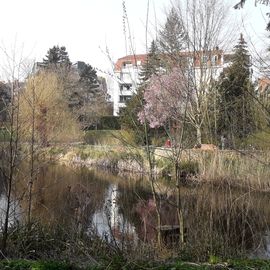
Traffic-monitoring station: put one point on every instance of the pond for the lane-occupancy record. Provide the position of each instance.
(218, 218)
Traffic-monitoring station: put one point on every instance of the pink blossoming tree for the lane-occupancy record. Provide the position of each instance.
(165, 99)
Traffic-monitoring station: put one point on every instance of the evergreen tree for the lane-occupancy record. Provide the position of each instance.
(172, 38)
(88, 75)
(83, 87)
(152, 64)
(87, 98)
(57, 57)
(236, 91)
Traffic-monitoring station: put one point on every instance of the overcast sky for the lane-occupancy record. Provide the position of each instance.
(87, 27)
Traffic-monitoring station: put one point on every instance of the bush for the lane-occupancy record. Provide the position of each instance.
(256, 141)
(109, 122)
(189, 167)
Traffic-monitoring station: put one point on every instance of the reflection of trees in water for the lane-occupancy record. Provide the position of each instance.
(130, 195)
(118, 220)
(219, 220)
(14, 214)
(2, 179)
(65, 196)
(15, 209)
(225, 220)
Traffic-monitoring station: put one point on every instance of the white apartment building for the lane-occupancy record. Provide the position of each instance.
(127, 70)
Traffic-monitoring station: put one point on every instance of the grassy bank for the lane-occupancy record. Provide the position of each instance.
(249, 168)
(115, 157)
(244, 168)
(109, 137)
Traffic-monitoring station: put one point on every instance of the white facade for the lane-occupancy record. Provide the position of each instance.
(124, 85)
(207, 65)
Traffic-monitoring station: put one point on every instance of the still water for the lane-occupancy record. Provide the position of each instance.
(218, 218)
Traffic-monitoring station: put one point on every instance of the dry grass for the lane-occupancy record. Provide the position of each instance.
(248, 168)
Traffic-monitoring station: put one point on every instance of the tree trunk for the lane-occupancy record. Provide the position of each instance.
(199, 135)
(179, 207)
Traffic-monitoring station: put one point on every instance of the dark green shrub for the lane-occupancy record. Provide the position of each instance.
(109, 122)
(189, 167)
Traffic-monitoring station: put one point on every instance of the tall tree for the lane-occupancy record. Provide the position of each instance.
(152, 64)
(172, 38)
(88, 75)
(87, 98)
(57, 57)
(236, 92)
(199, 32)
(43, 103)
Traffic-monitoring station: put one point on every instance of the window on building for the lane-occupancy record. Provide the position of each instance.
(204, 59)
(189, 61)
(124, 98)
(125, 87)
(127, 64)
(214, 60)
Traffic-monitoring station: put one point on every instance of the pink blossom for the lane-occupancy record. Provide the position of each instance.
(164, 98)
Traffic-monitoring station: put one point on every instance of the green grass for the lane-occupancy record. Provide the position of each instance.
(259, 140)
(250, 264)
(117, 264)
(110, 153)
(35, 265)
(108, 137)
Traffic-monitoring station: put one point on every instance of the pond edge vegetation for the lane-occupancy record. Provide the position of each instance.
(246, 169)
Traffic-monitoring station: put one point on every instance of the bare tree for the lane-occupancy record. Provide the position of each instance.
(200, 25)
(14, 69)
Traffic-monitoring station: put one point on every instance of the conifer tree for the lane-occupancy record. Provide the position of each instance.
(152, 64)
(88, 75)
(172, 39)
(87, 97)
(172, 36)
(57, 56)
(236, 92)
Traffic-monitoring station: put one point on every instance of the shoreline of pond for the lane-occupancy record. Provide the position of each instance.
(228, 167)
(82, 192)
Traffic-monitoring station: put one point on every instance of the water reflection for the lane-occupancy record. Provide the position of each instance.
(218, 219)
(110, 223)
(15, 211)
